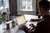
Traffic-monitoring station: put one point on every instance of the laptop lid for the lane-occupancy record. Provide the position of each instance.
(21, 20)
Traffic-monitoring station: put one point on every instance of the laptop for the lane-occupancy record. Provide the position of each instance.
(21, 21)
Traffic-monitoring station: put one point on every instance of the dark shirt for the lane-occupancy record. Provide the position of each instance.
(43, 26)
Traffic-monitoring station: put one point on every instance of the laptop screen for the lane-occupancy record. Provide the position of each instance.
(21, 20)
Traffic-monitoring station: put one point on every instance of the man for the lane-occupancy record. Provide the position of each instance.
(43, 25)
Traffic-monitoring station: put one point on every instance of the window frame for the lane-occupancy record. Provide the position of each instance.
(19, 5)
(6, 6)
(3, 4)
(20, 12)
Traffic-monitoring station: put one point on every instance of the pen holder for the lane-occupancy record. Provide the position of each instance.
(39, 16)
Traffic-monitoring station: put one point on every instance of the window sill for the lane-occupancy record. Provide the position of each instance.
(2, 9)
(26, 10)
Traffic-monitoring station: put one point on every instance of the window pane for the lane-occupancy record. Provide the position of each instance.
(2, 3)
(48, 0)
(26, 4)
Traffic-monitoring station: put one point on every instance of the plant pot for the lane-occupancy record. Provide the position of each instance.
(4, 25)
(13, 24)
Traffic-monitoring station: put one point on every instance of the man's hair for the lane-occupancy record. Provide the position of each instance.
(44, 4)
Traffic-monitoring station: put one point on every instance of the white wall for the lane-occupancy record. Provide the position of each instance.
(26, 12)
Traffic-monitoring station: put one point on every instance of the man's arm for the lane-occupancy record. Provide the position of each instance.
(39, 28)
(36, 19)
(32, 25)
(36, 29)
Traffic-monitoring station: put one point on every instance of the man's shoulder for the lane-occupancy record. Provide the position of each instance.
(41, 21)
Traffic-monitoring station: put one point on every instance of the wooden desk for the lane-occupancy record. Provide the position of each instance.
(16, 30)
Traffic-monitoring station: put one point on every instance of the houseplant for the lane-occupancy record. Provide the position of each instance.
(3, 18)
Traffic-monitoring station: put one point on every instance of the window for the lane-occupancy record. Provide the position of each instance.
(48, 0)
(2, 4)
(27, 5)
(49, 10)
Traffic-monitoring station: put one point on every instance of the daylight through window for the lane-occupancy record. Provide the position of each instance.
(27, 5)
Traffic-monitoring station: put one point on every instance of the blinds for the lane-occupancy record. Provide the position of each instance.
(25, 0)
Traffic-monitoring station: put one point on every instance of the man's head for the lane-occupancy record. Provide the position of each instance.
(44, 7)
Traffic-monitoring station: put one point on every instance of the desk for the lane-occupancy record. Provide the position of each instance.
(17, 30)
(28, 17)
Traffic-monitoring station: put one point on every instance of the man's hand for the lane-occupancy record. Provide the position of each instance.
(23, 26)
(32, 25)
